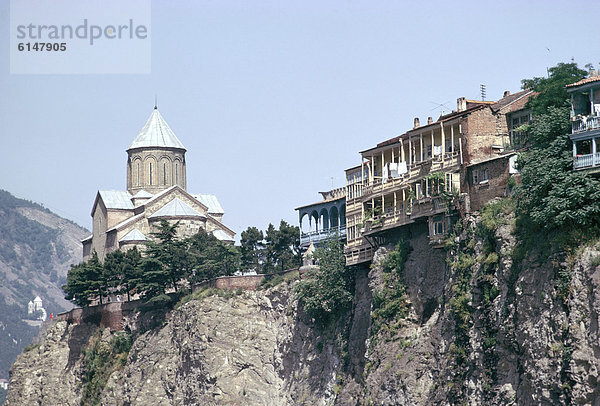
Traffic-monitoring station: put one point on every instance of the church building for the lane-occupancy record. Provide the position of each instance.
(156, 190)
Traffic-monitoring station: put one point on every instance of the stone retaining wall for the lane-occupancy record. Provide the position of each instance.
(106, 315)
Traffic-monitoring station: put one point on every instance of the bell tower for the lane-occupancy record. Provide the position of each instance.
(155, 158)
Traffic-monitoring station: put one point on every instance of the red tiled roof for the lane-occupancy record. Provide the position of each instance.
(585, 81)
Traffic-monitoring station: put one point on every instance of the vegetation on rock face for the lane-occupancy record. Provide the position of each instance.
(474, 259)
(556, 208)
(100, 358)
(390, 302)
(327, 292)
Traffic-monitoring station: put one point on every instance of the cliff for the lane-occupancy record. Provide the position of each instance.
(485, 320)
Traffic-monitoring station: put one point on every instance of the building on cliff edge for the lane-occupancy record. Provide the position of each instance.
(465, 157)
(585, 122)
(323, 219)
(156, 191)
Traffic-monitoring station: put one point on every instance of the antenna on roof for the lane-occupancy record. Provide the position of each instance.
(155, 102)
(482, 90)
(439, 105)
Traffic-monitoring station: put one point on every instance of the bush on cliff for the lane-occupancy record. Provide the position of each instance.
(390, 301)
(326, 293)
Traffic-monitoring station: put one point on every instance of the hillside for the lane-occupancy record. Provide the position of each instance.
(481, 321)
(36, 250)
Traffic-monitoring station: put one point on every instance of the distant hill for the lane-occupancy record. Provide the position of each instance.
(37, 248)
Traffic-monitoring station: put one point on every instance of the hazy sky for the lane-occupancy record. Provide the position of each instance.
(273, 99)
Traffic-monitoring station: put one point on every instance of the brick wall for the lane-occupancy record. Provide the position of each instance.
(107, 315)
(238, 282)
(480, 130)
(496, 185)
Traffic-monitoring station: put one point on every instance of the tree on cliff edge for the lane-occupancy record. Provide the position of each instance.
(326, 293)
(86, 280)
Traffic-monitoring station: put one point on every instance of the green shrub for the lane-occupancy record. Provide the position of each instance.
(327, 292)
(100, 359)
(492, 213)
(391, 301)
(271, 281)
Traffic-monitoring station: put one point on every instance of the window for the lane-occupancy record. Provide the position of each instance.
(418, 192)
(483, 175)
(176, 174)
(138, 173)
(480, 176)
(448, 185)
(438, 226)
(515, 122)
(164, 173)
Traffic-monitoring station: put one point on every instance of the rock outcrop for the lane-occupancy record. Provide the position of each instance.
(247, 348)
(482, 321)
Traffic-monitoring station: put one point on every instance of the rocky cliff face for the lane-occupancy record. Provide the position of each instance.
(482, 321)
(234, 349)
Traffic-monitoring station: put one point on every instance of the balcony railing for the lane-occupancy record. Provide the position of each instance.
(421, 168)
(320, 235)
(585, 123)
(358, 255)
(586, 161)
(423, 207)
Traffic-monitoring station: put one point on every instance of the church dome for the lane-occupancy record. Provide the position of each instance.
(156, 159)
(156, 133)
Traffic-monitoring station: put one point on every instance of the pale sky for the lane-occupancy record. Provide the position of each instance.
(273, 99)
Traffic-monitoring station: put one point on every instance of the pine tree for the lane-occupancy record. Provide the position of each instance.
(252, 249)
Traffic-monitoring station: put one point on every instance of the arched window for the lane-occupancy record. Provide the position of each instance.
(138, 173)
(150, 173)
(164, 173)
(176, 173)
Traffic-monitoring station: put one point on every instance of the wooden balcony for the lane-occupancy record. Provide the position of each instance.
(585, 123)
(320, 235)
(424, 207)
(586, 161)
(357, 255)
(415, 171)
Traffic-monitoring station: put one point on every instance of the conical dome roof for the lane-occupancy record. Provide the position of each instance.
(156, 133)
(176, 208)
